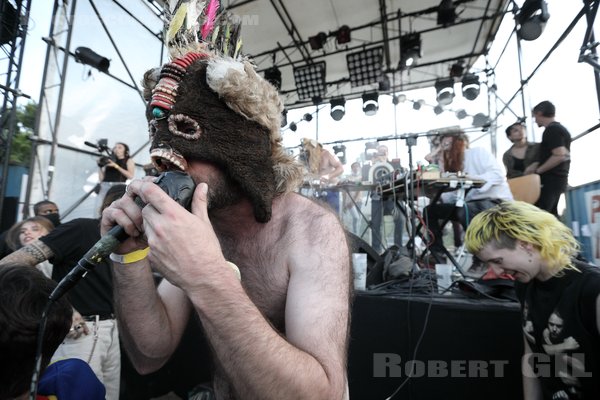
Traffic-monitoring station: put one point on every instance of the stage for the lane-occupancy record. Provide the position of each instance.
(469, 349)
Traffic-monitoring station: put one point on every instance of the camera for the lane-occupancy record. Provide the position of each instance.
(104, 160)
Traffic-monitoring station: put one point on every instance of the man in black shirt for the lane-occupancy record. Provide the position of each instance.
(554, 157)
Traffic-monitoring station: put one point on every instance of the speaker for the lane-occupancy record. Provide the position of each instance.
(9, 23)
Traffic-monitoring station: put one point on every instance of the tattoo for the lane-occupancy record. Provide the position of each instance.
(32, 254)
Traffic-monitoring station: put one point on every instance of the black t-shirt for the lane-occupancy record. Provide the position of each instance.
(69, 242)
(559, 323)
(555, 135)
(114, 175)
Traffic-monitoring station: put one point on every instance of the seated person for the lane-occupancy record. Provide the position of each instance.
(522, 157)
(323, 165)
(476, 163)
(23, 295)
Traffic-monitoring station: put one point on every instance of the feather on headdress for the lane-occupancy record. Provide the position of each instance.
(194, 25)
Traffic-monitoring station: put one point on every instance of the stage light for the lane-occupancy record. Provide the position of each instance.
(340, 152)
(310, 80)
(470, 86)
(480, 120)
(316, 42)
(417, 105)
(446, 13)
(438, 109)
(273, 76)
(532, 18)
(457, 69)
(342, 36)
(461, 114)
(86, 56)
(338, 108)
(307, 117)
(370, 104)
(410, 49)
(444, 91)
(293, 127)
(284, 118)
(365, 67)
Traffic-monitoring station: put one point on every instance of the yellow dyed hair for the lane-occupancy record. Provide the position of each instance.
(508, 222)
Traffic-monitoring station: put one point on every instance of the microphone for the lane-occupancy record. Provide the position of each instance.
(94, 145)
(178, 185)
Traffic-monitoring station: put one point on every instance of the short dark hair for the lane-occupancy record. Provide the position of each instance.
(24, 293)
(546, 108)
(39, 204)
(507, 131)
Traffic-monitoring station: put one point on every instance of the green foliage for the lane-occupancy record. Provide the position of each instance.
(21, 145)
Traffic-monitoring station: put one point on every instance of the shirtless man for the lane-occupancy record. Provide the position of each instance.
(278, 331)
(325, 167)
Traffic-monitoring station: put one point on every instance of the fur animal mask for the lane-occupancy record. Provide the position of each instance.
(218, 110)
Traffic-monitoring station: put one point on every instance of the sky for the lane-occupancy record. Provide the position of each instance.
(562, 80)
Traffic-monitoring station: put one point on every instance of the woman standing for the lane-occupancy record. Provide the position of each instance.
(120, 166)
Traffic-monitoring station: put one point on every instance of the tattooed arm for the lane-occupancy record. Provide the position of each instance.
(32, 254)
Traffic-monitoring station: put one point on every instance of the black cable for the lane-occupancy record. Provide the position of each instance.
(35, 377)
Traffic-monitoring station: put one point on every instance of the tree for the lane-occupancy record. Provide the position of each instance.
(21, 145)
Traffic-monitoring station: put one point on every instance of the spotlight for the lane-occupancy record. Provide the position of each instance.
(310, 80)
(401, 98)
(284, 118)
(293, 127)
(384, 83)
(340, 152)
(273, 76)
(445, 91)
(480, 120)
(438, 109)
(532, 18)
(338, 108)
(316, 42)
(470, 86)
(307, 117)
(417, 105)
(342, 36)
(365, 67)
(87, 56)
(461, 114)
(446, 13)
(410, 49)
(370, 104)
(457, 69)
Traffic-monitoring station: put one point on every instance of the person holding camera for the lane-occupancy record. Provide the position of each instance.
(118, 167)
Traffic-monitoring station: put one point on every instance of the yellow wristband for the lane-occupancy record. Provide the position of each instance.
(129, 258)
(235, 269)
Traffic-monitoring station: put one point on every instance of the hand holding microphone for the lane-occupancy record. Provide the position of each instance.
(178, 185)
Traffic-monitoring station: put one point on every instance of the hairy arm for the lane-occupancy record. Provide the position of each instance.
(151, 321)
(32, 254)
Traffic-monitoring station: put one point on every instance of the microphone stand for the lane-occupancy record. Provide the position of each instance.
(411, 140)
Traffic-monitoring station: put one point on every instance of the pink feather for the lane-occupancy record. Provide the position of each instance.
(211, 14)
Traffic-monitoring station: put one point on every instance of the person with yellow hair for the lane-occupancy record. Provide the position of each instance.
(538, 251)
